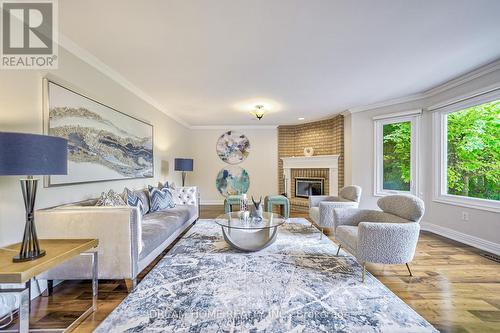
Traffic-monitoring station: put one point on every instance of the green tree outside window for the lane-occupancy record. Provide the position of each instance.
(397, 156)
(473, 149)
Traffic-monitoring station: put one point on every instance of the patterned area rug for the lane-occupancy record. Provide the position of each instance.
(295, 285)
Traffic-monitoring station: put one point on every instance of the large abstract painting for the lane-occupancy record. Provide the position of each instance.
(233, 147)
(103, 144)
(232, 180)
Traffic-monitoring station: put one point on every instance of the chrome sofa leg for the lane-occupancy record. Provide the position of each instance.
(338, 250)
(321, 236)
(409, 270)
(50, 289)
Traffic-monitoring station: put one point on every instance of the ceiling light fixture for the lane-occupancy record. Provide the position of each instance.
(301, 118)
(258, 112)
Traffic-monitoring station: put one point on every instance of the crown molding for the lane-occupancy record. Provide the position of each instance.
(236, 127)
(92, 60)
(477, 73)
(388, 102)
(475, 93)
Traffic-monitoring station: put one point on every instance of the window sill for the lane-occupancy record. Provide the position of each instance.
(481, 204)
(386, 193)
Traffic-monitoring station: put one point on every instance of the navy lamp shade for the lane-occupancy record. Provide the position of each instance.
(183, 164)
(31, 154)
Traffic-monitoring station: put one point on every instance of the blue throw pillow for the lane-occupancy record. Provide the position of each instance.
(134, 200)
(160, 199)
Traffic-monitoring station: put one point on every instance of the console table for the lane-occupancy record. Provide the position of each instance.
(58, 251)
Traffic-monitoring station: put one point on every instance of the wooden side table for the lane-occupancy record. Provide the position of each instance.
(58, 251)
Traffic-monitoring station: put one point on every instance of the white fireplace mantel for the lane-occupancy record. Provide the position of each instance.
(330, 162)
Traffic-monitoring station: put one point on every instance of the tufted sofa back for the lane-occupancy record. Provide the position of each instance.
(185, 195)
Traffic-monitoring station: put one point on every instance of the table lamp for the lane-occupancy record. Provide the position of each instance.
(31, 154)
(183, 164)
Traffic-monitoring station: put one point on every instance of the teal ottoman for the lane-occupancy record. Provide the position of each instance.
(230, 201)
(281, 201)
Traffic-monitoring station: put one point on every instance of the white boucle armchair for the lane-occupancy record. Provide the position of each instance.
(389, 236)
(321, 206)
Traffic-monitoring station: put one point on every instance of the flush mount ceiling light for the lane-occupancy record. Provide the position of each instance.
(301, 118)
(258, 112)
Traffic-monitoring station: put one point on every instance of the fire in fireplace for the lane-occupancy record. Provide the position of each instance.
(305, 187)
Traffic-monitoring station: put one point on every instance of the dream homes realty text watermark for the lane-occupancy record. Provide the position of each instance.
(29, 34)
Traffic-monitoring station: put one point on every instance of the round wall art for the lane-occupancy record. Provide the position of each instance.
(232, 180)
(233, 147)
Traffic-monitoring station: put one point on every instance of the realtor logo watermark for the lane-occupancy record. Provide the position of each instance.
(29, 34)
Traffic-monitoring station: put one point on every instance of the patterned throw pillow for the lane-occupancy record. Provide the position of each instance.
(134, 200)
(160, 199)
(110, 199)
(160, 185)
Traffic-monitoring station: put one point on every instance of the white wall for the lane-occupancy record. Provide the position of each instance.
(483, 227)
(21, 111)
(261, 163)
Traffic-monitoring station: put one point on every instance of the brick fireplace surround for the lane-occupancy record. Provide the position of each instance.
(326, 137)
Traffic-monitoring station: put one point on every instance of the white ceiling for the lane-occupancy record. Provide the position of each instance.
(204, 60)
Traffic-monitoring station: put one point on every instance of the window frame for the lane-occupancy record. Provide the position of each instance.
(413, 116)
(440, 147)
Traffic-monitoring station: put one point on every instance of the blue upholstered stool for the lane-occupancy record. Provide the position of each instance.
(281, 201)
(230, 201)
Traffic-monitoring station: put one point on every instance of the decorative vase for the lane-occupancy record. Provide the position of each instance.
(308, 151)
(243, 203)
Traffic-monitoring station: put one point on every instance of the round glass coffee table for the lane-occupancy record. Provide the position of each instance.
(247, 233)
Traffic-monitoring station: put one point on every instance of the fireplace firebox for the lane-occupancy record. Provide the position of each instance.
(305, 187)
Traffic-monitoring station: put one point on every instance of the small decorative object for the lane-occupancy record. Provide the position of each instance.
(233, 147)
(259, 112)
(308, 151)
(232, 180)
(257, 209)
(244, 215)
(110, 199)
(31, 154)
(103, 143)
(184, 165)
(243, 203)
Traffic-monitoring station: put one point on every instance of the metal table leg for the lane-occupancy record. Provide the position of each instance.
(95, 281)
(94, 293)
(24, 310)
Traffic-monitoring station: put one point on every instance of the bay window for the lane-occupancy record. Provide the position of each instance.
(467, 142)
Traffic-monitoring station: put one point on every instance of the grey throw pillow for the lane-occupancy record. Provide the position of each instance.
(110, 199)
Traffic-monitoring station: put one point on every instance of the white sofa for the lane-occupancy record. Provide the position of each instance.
(128, 242)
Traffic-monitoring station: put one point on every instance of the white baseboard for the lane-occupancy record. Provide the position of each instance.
(462, 238)
(212, 202)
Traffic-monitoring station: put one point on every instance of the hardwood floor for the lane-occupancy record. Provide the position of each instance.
(454, 287)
